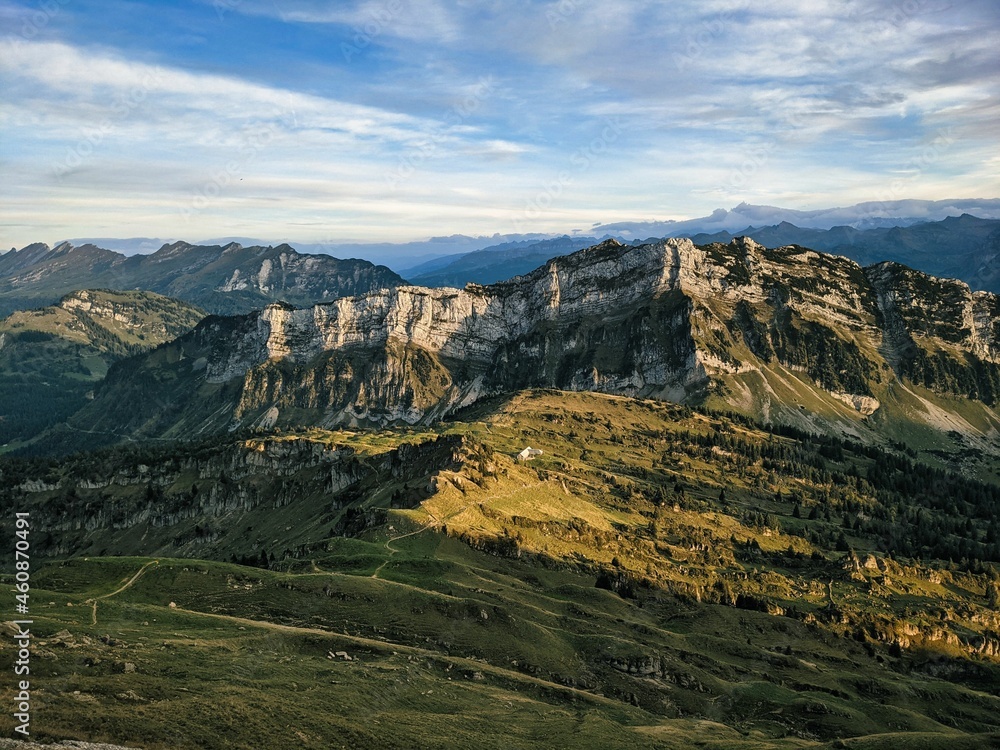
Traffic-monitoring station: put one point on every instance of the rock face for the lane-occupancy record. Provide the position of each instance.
(146, 316)
(963, 247)
(785, 335)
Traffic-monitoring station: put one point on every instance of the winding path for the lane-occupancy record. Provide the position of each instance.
(391, 647)
(123, 587)
(393, 550)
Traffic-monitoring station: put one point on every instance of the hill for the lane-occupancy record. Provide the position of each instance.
(787, 336)
(657, 577)
(51, 358)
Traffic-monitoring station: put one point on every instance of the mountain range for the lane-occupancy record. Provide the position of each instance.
(760, 509)
(496, 262)
(963, 247)
(870, 215)
(402, 257)
(224, 276)
(219, 279)
(791, 336)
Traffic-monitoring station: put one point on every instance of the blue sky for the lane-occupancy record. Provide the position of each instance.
(399, 120)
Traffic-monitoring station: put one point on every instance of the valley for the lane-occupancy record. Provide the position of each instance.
(760, 509)
(499, 376)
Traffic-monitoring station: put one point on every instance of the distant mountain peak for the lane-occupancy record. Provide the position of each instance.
(175, 247)
(222, 280)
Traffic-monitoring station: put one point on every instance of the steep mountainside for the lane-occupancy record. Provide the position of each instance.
(51, 358)
(655, 578)
(225, 280)
(788, 335)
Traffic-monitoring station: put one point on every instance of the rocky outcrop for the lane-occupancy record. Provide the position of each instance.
(6, 744)
(667, 320)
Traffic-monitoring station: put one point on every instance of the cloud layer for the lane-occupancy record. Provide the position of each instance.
(390, 119)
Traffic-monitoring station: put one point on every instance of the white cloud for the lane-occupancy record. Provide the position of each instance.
(424, 20)
(90, 82)
(818, 98)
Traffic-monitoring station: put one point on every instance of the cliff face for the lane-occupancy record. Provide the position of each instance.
(786, 334)
(575, 300)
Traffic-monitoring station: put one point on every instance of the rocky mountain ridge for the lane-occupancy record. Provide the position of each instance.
(222, 279)
(787, 335)
(964, 247)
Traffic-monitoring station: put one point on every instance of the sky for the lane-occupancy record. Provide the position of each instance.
(395, 120)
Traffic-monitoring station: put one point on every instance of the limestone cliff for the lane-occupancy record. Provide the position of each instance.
(785, 335)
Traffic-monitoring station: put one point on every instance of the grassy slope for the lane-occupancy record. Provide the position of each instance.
(453, 647)
(52, 357)
(485, 653)
(948, 431)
